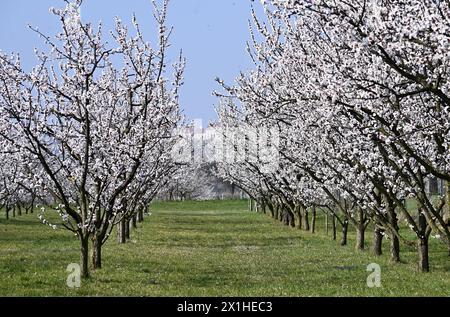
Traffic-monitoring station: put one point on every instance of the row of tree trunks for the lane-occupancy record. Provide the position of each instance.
(297, 215)
(125, 225)
(286, 216)
(17, 210)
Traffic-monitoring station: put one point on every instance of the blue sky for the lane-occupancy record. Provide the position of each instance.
(212, 34)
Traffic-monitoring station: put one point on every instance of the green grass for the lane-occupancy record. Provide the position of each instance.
(209, 249)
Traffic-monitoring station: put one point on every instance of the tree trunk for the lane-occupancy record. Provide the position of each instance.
(360, 232)
(344, 232)
(140, 215)
(84, 256)
(313, 219)
(395, 242)
(447, 204)
(395, 248)
(271, 209)
(333, 224)
(127, 229)
(285, 218)
(96, 253)
(377, 241)
(306, 218)
(7, 212)
(134, 221)
(326, 223)
(291, 219)
(424, 265)
(121, 237)
(299, 217)
(422, 247)
(19, 210)
(447, 208)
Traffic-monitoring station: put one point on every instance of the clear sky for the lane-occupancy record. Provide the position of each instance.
(212, 34)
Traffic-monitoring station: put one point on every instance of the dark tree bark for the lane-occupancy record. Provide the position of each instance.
(84, 256)
(121, 237)
(447, 207)
(395, 242)
(422, 247)
(96, 254)
(275, 211)
(291, 219)
(134, 221)
(377, 241)
(271, 209)
(360, 230)
(344, 232)
(140, 215)
(395, 249)
(424, 265)
(360, 233)
(263, 207)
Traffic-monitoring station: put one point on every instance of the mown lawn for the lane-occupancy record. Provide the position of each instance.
(209, 249)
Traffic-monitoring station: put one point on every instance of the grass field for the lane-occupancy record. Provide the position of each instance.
(209, 249)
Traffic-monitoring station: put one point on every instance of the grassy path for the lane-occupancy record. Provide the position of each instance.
(208, 249)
